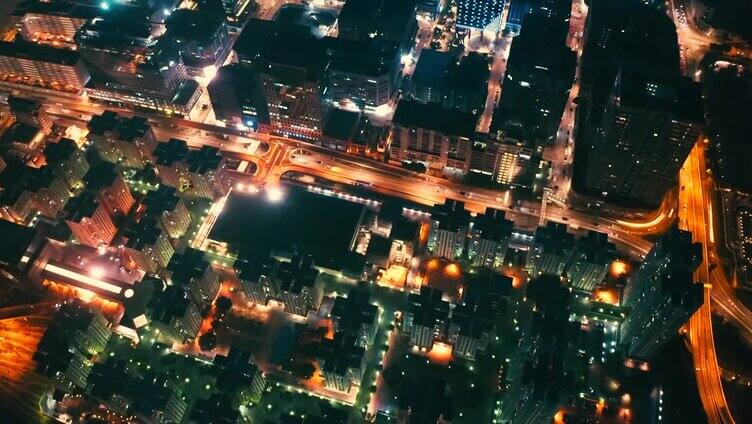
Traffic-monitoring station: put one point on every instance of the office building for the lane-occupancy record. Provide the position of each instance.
(292, 86)
(518, 9)
(434, 136)
(466, 85)
(539, 74)
(484, 15)
(504, 160)
(362, 74)
(489, 236)
(129, 142)
(130, 64)
(426, 318)
(551, 251)
(298, 285)
(202, 38)
(238, 99)
(42, 66)
(591, 260)
(429, 76)
(449, 228)
(647, 130)
(357, 19)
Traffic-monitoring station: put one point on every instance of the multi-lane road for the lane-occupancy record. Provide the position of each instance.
(693, 217)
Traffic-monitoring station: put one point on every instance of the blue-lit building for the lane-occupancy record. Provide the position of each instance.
(480, 14)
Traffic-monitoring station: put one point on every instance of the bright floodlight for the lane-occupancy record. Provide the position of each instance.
(104, 5)
(96, 272)
(275, 194)
(128, 293)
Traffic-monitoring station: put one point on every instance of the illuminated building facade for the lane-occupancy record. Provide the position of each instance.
(439, 138)
(592, 257)
(30, 191)
(551, 251)
(662, 294)
(489, 238)
(343, 363)
(165, 203)
(145, 245)
(30, 112)
(129, 142)
(356, 315)
(207, 175)
(89, 221)
(39, 65)
(426, 318)
(449, 229)
(52, 21)
(191, 270)
(238, 98)
(647, 130)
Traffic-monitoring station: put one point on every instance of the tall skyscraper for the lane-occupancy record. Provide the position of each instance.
(539, 375)
(592, 258)
(449, 225)
(539, 74)
(647, 131)
(551, 251)
(662, 294)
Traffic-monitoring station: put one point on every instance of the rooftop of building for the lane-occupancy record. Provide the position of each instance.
(189, 264)
(316, 223)
(38, 52)
(143, 233)
(493, 225)
(554, 238)
(204, 160)
(125, 129)
(82, 206)
(15, 242)
(194, 24)
(451, 216)
(360, 10)
(427, 307)
(341, 124)
(18, 178)
(432, 68)
(297, 274)
(125, 27)
(163, 199)
(174, 150)
(72, 9)
(469, 74)
(21, 134)
(435, 117)
(60, 152)
(169, 303)
(23, 105)
(101, 176)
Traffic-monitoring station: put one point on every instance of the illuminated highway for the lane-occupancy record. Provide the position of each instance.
(693, 217)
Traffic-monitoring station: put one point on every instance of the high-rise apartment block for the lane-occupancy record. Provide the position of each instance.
(449, 228)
